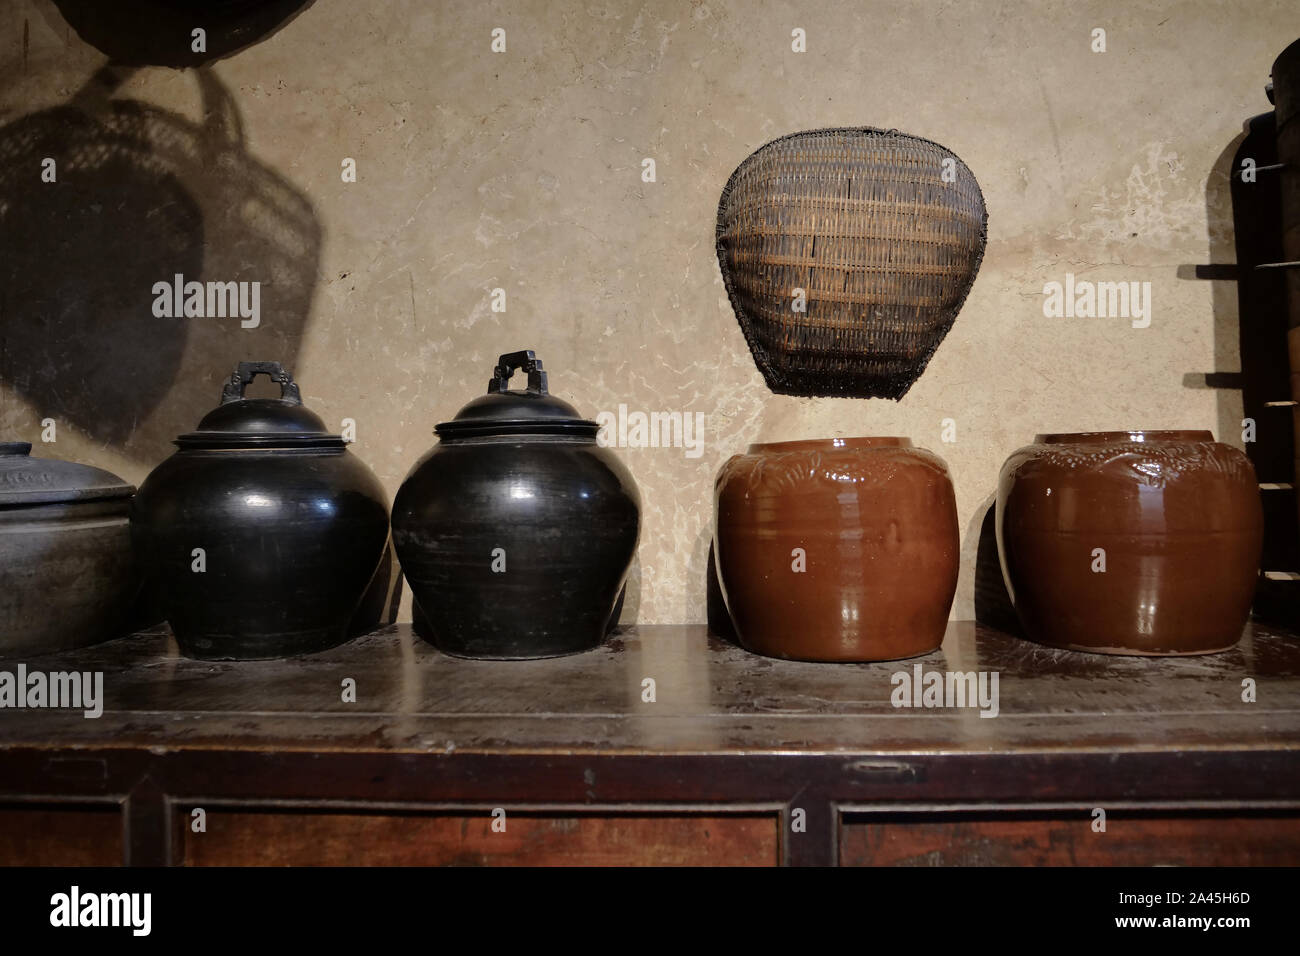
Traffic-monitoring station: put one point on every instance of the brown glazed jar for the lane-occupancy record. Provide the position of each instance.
(1134, 542)
(837, 549)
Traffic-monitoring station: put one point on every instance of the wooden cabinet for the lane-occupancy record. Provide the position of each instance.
(737, 759)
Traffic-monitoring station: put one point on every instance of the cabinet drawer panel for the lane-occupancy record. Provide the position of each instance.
(319, 838)
(1066, 838)
(60, 835)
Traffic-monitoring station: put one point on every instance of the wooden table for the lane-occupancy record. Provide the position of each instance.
(737, 759)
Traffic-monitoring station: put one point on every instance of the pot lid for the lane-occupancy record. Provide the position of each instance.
(506, 411)
(25, 480)
(240, 422)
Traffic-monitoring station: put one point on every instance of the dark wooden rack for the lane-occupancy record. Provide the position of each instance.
(1264, 380)
(739, 759)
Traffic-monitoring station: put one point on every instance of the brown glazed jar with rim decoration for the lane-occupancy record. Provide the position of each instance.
(837, 549)
(1130, 542)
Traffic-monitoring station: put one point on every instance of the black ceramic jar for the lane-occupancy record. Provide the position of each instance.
(261, 533)
(66, 574)
(517, 530)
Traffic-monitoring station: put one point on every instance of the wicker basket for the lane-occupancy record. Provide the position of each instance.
(885, 250)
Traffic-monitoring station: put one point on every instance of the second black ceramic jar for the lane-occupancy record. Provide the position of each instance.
(517, 530)
(261, 533)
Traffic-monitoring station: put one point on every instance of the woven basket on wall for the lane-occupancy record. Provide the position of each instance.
(885, 250)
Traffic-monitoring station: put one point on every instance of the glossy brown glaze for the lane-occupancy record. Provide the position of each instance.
(839, 549)
(1138, 542)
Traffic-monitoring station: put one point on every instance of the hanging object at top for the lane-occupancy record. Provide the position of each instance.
(176, 33)
(847, 254)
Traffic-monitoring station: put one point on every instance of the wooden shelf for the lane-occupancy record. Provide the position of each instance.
(733, 752)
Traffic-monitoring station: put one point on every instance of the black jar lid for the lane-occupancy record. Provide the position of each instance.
(25, 480)
(507, 411)
(240, 422)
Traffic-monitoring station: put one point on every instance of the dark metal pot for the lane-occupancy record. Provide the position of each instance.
(517, 530)
(66, 575)
(291, 528)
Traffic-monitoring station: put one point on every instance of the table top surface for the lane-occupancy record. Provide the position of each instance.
(710, 696)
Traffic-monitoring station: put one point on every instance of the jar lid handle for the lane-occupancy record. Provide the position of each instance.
(233, 390)
(525, 361)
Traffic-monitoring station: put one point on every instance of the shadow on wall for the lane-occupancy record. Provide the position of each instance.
(1260, 301)
(1243, 215)
(1251, 369)
(992, 600)
(716, 606)
(1265, 367)
(1228, 354)
(1243, 223)
(628, 610)
(1256, 302)
(141, 195)
(1243, 206)
(105, 201)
